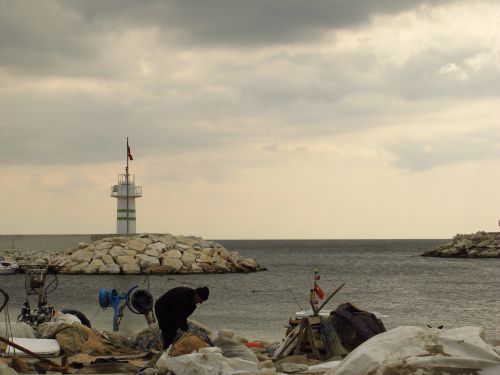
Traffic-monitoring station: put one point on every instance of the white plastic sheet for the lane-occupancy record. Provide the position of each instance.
(422, 351)
(45, 347)
(16, 329)
(321, 368)
(232, 348)
(206, 363)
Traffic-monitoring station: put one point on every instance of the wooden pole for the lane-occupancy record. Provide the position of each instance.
(329, 298)
(292, 337)
(126, 177)
(311, 302)
(56, 366)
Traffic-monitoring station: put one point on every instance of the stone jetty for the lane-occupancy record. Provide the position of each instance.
(475, 245)
(143, 253)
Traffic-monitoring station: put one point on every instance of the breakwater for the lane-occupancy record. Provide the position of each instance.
(45, 242)
(475, 245)
(143, 253)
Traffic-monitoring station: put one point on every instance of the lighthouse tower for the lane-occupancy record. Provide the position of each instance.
(125, 192)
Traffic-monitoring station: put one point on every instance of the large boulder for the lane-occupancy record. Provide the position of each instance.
(117, 251)
(173, 254)
(81, 256)
(94, 266)
(158, 246)
(125, 259)
(152, 252)
(111, 268)
(188, 258)
(138, 245)
(131, 268)
(148, 261)
(172, 263)
(107, 259)
(79, 268)
(103, 245)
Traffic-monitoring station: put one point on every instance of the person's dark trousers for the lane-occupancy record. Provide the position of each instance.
(168, 328)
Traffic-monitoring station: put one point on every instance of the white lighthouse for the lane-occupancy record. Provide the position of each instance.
(125, 192)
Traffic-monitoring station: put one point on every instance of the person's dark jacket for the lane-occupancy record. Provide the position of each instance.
(176, 304)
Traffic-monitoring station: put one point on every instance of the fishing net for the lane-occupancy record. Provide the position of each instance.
(333, 345)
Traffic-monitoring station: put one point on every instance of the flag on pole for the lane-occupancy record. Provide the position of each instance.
(319, 292)
(129, 154)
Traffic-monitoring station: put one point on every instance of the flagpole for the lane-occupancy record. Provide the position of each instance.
(126, 176)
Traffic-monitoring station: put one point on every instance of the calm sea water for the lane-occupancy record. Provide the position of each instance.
(386, 276)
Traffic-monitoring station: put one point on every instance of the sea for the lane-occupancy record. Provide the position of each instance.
(386, 277)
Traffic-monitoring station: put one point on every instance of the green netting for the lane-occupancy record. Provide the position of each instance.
(333, 346)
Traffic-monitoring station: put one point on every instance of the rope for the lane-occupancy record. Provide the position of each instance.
(8, 326)
(298, 304)
(231, 289)
(146, 280)
(95, 314)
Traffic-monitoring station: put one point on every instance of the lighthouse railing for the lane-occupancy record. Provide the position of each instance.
(122, 179)
(118, 192)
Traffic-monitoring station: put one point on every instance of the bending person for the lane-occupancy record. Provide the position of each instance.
(174, 307)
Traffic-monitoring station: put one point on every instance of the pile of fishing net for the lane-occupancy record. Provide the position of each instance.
(76, 338)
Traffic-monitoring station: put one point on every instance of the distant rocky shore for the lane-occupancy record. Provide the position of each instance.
(475, 245)
(144, 253)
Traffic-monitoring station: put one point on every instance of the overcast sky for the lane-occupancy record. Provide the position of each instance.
(252, 119)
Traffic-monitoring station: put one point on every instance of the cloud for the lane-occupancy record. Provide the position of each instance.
(452, 71)
(425, 154)
(73, 37)
(79, 77)
(239, 22)
(45, 37)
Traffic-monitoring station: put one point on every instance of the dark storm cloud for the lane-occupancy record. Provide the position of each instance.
(38, 37)
(63, 37)
(239, 22)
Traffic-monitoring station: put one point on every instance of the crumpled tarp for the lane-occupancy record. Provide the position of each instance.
(354, 326)
(418, 350)
(232, 348)
(208, 362)
(16, 329)
(321, 368)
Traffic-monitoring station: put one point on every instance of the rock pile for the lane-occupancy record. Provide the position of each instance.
(475, 245)
(144, 253)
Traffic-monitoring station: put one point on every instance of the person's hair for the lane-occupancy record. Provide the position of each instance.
(202, 292)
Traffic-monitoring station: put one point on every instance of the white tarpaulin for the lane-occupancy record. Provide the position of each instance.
(210, 361)
(321, 368)
(16, 329)
(423, 351)
(45, 347)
